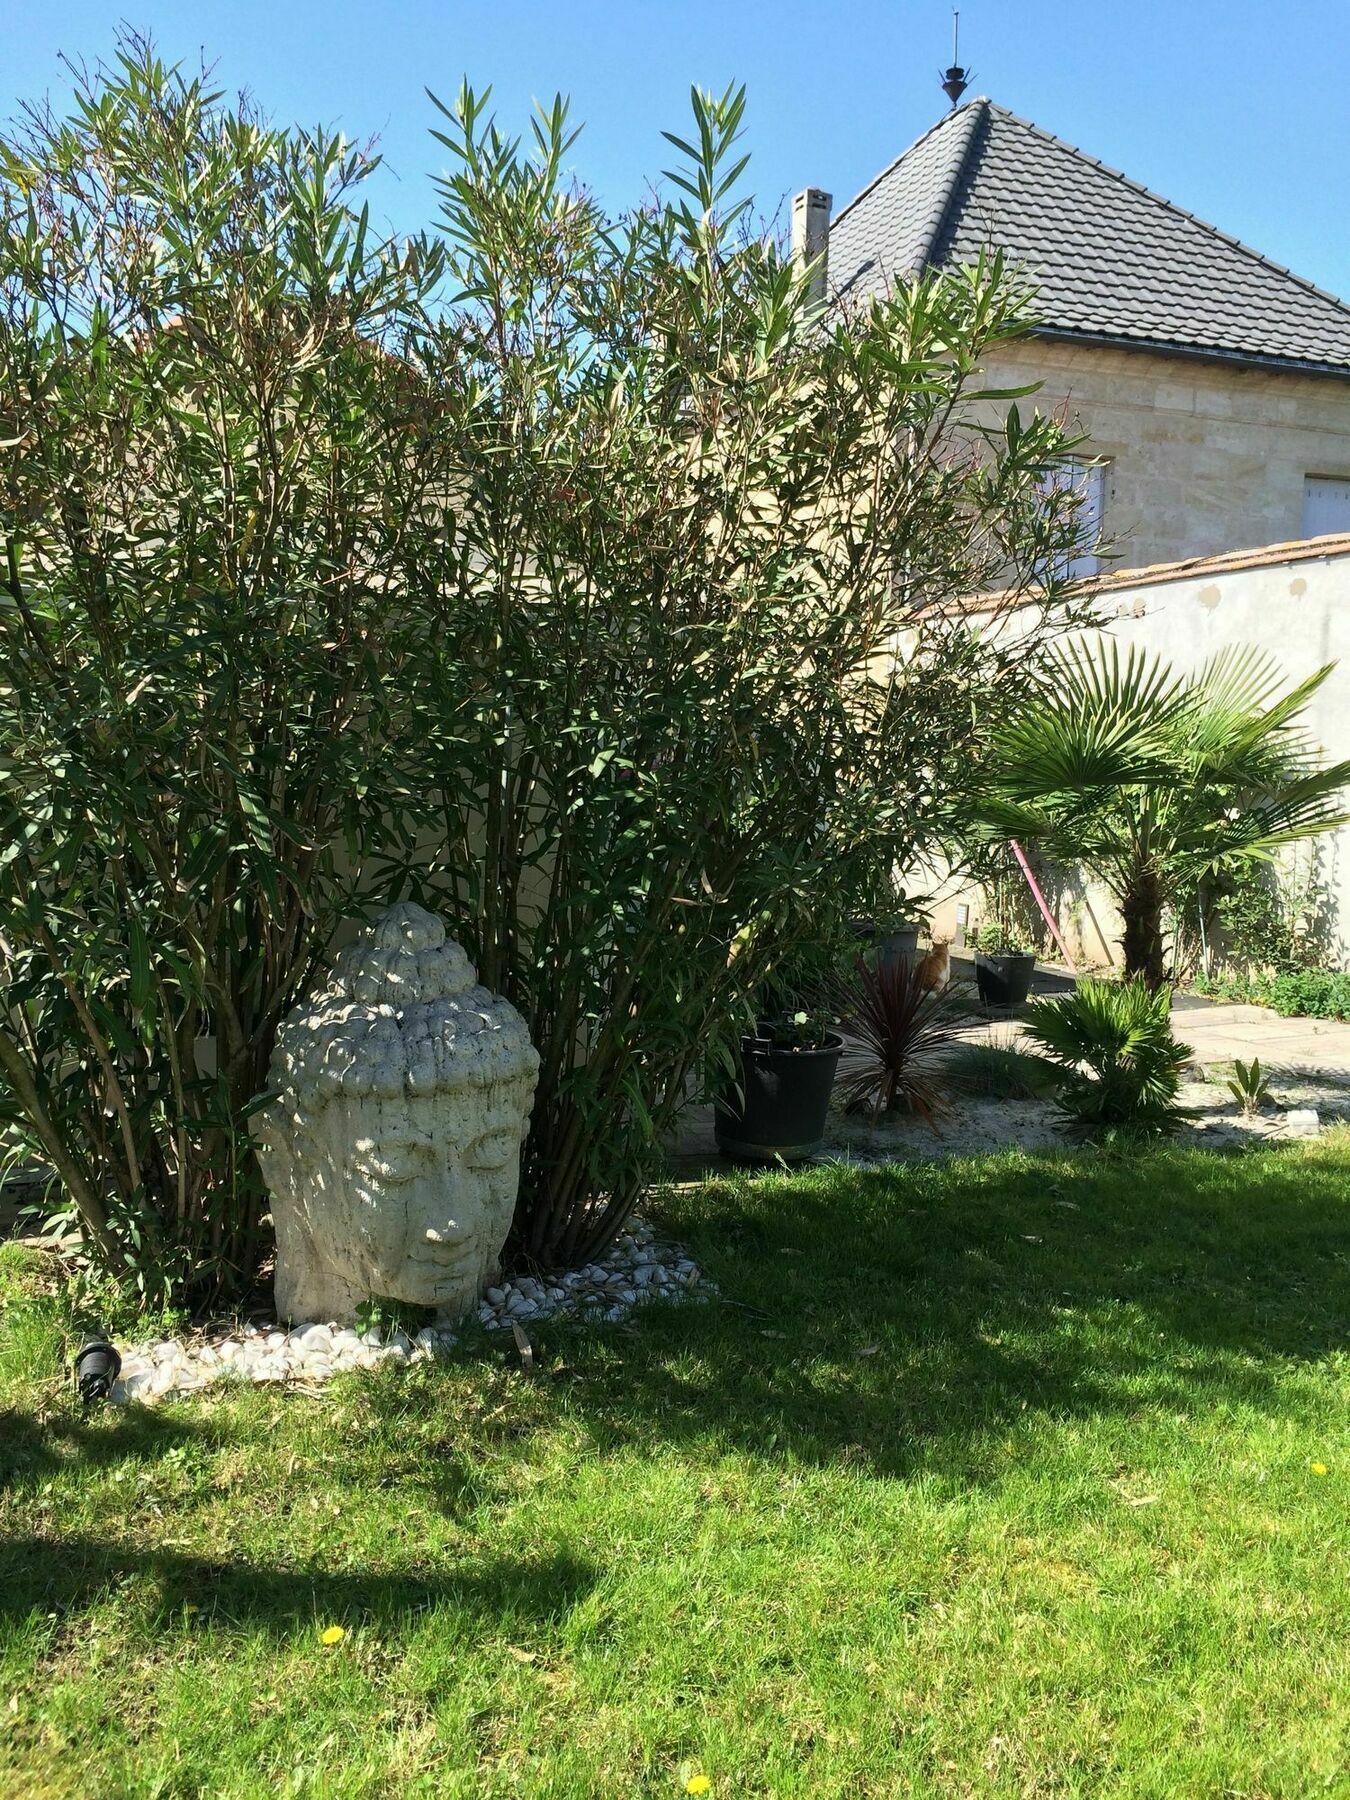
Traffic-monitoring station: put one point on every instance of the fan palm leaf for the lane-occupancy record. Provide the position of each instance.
(1100, 720)
(1118, 1062)
(1154, 780)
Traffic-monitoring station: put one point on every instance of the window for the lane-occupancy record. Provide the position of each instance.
(1326, 506)
(1089, 480)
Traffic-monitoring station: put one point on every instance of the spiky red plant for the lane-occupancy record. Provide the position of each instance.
(896, 1031)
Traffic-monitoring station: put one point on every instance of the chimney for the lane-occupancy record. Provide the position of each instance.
(811, 237)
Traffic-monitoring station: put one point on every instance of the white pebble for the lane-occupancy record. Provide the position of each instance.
(635, 1268)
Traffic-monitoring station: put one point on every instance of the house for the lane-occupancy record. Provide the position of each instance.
(1211, 385)
(1212, 390)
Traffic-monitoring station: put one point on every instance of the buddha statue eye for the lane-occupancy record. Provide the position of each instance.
(492, 1151)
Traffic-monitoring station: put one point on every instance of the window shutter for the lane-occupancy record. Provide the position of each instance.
(1326, 506)
(1090, 479)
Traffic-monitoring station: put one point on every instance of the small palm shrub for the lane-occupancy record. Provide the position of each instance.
(898, 1032)
(1119, 1064)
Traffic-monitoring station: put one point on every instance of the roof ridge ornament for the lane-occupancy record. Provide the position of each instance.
(956, 80)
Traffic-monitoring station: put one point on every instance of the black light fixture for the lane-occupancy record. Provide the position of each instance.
(956, 80)
(97, 1366)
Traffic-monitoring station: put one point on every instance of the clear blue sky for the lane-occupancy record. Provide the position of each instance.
(1240, 112)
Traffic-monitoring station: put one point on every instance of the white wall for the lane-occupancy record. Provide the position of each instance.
(1294, 604)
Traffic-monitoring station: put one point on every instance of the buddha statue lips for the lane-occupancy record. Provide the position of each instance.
(400, 1093)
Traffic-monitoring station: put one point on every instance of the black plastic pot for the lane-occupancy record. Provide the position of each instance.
(1003, 979)
(787, 1099)
(898, 946)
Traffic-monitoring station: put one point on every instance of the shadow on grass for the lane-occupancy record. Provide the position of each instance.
(902, 1319)
(897, 1319)
(64, 1575)
(32, 1447)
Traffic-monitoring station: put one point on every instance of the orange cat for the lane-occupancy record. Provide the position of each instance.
(934, 970)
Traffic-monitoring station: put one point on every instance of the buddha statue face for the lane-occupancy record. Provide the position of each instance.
(401, 1095)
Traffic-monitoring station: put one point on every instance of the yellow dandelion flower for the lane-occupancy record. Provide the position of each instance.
(333, 1635)
(698, 1784)
(1318, 1468)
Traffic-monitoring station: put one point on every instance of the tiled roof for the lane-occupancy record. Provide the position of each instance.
(1110, 260)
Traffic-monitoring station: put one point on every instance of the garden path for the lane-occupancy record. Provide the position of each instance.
(1219, 1033)
(1216, 1031)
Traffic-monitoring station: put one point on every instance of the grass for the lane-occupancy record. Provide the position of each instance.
(1001, 1071)
(996, 1477)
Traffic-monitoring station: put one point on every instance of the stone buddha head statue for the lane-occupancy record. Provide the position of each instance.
(399, 1097)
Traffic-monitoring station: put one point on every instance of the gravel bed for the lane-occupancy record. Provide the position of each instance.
(638, 1268)
(978, 1126)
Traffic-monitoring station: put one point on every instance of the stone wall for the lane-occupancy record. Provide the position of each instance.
(1203, 457)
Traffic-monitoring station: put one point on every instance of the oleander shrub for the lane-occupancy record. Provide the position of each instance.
(569, 573)
(210, 456)
(698, 679)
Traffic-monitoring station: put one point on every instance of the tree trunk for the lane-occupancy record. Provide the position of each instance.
(1141, 909)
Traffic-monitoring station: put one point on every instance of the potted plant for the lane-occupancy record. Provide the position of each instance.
(1004, 961)
(778, 1110)
(897, 941)
(891, 929)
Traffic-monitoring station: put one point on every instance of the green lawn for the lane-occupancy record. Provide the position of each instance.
(1019, 1476)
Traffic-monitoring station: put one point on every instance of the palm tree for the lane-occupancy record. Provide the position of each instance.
(1154, 780)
